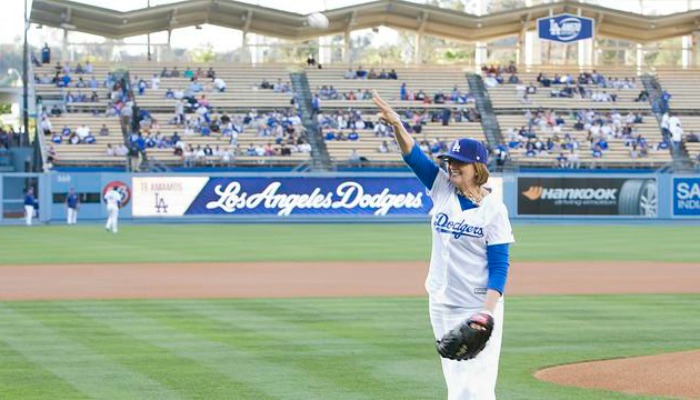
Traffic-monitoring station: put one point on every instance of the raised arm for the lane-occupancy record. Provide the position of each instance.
(424, 168)
(388, 114)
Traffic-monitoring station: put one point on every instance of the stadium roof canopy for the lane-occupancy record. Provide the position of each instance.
(397, 14)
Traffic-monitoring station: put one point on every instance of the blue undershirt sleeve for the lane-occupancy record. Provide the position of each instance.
(497, 257)
(425, 169)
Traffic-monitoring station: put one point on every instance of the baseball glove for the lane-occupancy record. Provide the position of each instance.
(466, 341)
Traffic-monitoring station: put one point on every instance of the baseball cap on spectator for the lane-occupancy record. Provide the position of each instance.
(467, 151)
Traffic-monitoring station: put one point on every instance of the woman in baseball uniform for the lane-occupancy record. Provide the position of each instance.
(469, 258)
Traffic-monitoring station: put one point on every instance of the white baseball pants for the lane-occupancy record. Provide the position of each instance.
(472, 379)
(112, 217)
(28, 214)
(72, 216)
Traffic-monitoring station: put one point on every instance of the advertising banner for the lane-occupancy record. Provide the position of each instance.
(565, 28)
(686, 197)
(587, 196)
(177, 196)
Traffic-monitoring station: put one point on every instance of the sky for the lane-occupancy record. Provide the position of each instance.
(223, 39)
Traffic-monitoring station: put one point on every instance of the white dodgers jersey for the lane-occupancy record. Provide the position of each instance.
(458, 266)
(113, 198)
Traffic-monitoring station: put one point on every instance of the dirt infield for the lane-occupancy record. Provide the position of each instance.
(318, 279)
(674, 375)
(670, 374)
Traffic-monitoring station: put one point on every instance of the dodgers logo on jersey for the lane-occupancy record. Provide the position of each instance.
(457, 229)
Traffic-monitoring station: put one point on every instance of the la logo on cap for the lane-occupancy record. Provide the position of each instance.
(455, 147)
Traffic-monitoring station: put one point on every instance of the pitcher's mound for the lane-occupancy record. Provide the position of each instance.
(672, 374)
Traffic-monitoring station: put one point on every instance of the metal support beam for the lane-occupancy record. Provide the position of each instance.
(417, 50)
(522, 42)
(596, 47)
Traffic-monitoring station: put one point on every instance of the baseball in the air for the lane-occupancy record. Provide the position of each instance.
(317, 20)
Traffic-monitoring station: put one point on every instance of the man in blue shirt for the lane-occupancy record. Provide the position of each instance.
(29, 201)
(72, 202)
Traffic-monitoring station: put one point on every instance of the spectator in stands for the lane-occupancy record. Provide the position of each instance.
(219, 84)
(227, 157)
(310, 61)
(562, 160)
(189, 74)
(155, 82)
(349, 74)
(45, 125)
(665, 98)
(46, 54)
(165, 73)
(355, 160)
(674, 126)
(175, 73)
(56, 138)
(82, 132)
(361, 73)
(393, 75)
(56, 110)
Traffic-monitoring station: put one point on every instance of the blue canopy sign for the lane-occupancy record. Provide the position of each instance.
(565, 28)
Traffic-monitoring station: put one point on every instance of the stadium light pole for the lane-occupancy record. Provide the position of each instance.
(25, 79)
(148, 37)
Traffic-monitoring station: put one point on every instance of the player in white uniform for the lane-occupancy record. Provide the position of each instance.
(469, 260)
(113, 199)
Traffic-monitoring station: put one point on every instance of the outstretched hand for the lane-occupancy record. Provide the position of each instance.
(386, 112)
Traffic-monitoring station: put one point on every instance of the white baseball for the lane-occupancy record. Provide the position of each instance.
(317, 20)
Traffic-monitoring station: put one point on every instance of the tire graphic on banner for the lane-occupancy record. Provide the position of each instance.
(638, 197)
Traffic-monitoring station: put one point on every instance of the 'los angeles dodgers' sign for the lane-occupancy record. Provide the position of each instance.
(199, 195)
(565, 28)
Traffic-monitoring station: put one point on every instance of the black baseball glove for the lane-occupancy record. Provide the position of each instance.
(466, 341)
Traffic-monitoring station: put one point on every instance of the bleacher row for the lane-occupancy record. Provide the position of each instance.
(243, 94)
(683, 84)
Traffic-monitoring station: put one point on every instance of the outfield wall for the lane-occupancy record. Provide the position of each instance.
(280, 196)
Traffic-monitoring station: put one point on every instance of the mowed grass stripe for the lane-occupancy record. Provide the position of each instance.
(398, 329)
(22, 379)
(238, 355)
(396, 335)
(332, 242)
(332, 353)
(184, 376)
(92, 374)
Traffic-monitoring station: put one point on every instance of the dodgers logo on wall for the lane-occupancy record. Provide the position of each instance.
(686, 197)
(565, 28)
(178, 196)
(123, 189)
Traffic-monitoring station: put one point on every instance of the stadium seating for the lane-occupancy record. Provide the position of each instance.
(510, 107)
(243, 93)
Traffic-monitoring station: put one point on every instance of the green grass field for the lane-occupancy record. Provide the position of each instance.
(297, 242)
(366, 348)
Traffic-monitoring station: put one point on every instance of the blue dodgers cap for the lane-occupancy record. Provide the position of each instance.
(467, 151)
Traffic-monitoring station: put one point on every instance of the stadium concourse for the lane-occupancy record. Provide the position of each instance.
(231, 115)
